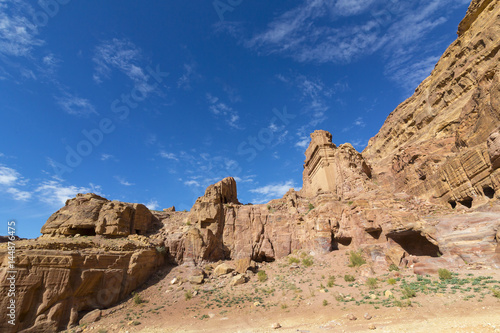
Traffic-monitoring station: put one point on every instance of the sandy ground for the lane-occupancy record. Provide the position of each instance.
(304, 298)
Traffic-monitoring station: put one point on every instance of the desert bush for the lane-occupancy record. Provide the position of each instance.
(331, 281)
(262, 276)
(349, 278)
(293, 260)
(188, 295)
(444, 274)
(408, 292)
(308, 261)
(356, 259)
(138, 299)
(391, 281)
(372, 283)
(325, 302)
(393, 267)
(495, 292)
(311, 206)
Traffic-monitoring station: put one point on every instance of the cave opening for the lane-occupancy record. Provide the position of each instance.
(375, 233)
(83, 231)
(344, 241)
(467, 202)
(453, 204)
(415, 244)
(489, 192)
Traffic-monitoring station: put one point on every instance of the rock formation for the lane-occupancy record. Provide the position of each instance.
(422, 194)
(342, 171)
(434, 144)
(90, 215)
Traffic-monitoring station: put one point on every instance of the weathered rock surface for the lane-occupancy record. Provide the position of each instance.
(63, 278)
(434, 144)
(423, 194)
(341, 171)
(90, 214)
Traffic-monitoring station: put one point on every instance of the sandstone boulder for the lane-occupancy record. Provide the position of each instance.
(90, 215)
(223, 269)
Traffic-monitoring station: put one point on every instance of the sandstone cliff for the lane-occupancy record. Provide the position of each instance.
(434, 144)
(422, 194)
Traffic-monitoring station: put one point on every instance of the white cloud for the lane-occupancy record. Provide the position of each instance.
(10, 179)
(18, 194)
(18, 36)
(75, 105)
(152, 205)
(125, 56)
(303, 142)
(271, 191)
(184, 81)
(192, 183)
(105, 157)
(314, 31)
(169, 156)
(8, 176)
(222, 110)
(123, 181)
(55, 193)
(359, 122)
(351, 7)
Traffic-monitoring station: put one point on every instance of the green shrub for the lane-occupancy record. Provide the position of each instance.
(391, 281)
(188, 295)
(495, 292)
(293, 260)
(325, 302)
(372, 283)
(137, 299)
(262, 276)
(331, 281)
(311, 206)
(307, 261)
(408, 292)
(284, 306)
(349, 278)
(444, 274)
(356, 259)
(393, 267)
(136, 323)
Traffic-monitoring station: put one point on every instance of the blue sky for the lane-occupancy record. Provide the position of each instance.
(153, 101)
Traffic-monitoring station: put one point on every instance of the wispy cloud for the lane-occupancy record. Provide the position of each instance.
(303, 142)
(271, 191)
(55, 193)
(18, 36)
(222, 110)
(125, 56)
(8, 176)
(314, 31)
(153, 205)
(169, 156)
(75, 105)
(184, 82)
(10, 181)
(105, 157)
(123, 181)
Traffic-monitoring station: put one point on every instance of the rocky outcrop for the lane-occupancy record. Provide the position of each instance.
(61, 279)
(90, 215)
(422, 194)
(341, 171)
(434, 144)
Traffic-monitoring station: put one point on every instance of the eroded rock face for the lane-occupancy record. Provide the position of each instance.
(434, 144)
(61, 279)
(90, 215)
(342, 171)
